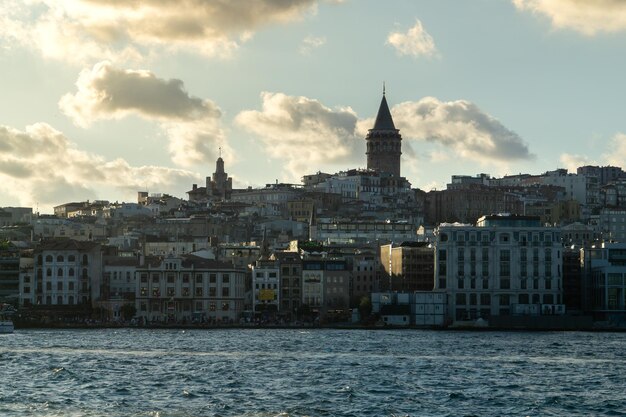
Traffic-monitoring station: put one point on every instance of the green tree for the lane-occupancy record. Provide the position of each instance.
(365, 307)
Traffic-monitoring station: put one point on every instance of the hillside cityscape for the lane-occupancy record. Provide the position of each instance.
(358, 246)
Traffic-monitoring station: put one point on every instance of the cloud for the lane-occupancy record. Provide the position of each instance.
(588, 17)
(416, 42)
(86, 30)
(191, 124)
(310, 43)
(616, 153)
(303, 133)
(572, 162)
(461, 127)
(40, 166)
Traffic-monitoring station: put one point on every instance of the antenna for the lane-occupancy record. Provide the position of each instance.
(383, 88)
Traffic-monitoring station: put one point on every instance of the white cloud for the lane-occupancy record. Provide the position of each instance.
(40, 166)
(616, 153)
(87, 30)
(303, 133)
(585, 16)
(461, 127)
(572, 162)
(415, 42)
(191, 124)
(310, 43)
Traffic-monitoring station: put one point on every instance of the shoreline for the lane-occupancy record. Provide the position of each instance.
(102, 326)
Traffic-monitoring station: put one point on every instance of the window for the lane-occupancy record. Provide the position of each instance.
(225, 292)
(225, 306)
(70, 272)
(212, 292)
(485, 299)
(460, 299)
(71, 258)
(49, 258)
(185, 278)
(198, 291)
(198, 278)
(155, 278)
(60, 272)
(48, 272)
(60, 258)
(226, 278)
(60, 286)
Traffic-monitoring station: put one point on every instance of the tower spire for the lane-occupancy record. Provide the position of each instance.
(383, 88)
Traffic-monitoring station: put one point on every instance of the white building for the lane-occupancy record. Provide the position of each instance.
(176, 289)
(501, 262)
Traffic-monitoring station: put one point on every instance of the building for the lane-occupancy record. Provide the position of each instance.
(502, 262)
(118, 286)
(339, 230)
(408, 266)
(605, 272)
(9, 273)
(266, 288)
(290, 265)
(187, 288)
(613, 224)
(66, 273)
(365, 275)
(384, 142)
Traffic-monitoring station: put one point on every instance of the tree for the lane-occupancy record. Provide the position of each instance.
(365, 307)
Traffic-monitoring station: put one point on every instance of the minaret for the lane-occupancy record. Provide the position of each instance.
(220, 185)
(384, 142)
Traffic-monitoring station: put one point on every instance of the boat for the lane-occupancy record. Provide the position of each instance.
(6, 324)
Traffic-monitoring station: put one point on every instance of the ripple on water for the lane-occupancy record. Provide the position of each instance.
(136, 372)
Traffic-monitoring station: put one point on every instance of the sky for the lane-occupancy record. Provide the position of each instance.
(100, 99)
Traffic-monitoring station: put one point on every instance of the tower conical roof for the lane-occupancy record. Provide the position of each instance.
(383, 119)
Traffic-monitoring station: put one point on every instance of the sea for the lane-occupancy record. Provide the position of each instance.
(311, 372)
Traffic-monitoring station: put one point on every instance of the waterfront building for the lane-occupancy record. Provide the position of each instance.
(325, 284)
(290, 264)
(119, 283)
(66, 273)
(502, 262)
(408, 266)
(365, 275)
(178, 289)
(9, 273)
(605, 275)
(266, 287)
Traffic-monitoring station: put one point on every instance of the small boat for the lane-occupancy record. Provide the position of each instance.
(6, 324)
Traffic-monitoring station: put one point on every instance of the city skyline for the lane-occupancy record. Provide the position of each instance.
(101, 101)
